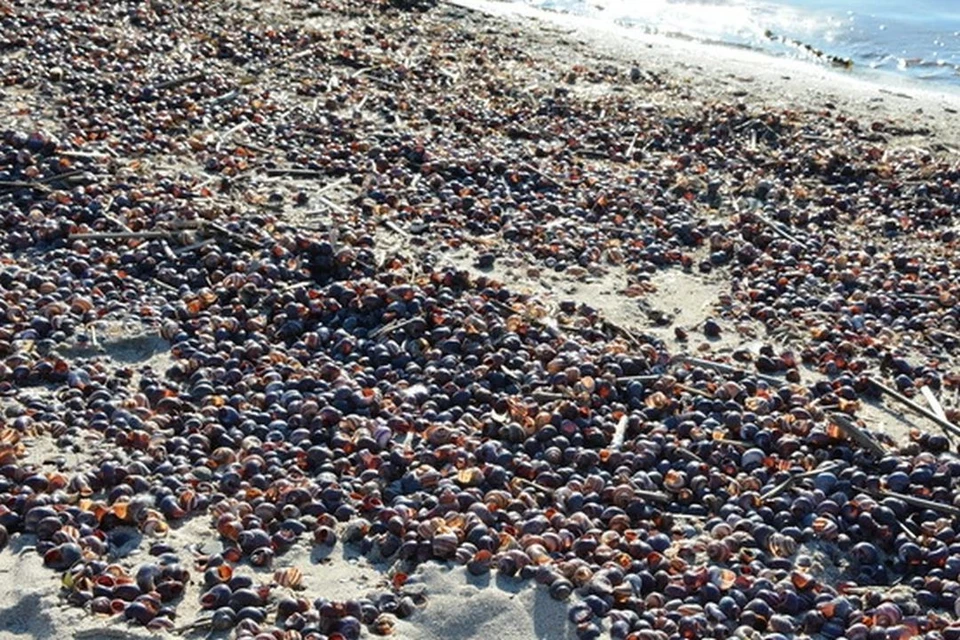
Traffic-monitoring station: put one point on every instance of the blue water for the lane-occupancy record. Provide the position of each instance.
(917, 38)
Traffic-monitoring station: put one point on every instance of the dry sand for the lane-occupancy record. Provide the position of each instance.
(459, 606)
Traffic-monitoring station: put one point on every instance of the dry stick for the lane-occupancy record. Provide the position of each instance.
(694, 390)
(296, 173)
(644, 378)
(226, 135)
(620, 432)
(955, 336)
(393, 226)
(84, 155)
(725, 368)
(330, 204)
(789, 482)
(622, 332)
(234, 237)
(776, 228)
(19, 184)
(120, 235)
(943, 424)
(933, 402)
(109, 218)
(387, 329)
(857, 434)
(329, 186)
(652, 495)
(633, 145)
(920, 296)
(907, 531)
(193, 247)
(176, 82)
(915, 501)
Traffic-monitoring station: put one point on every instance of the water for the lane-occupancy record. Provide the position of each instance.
(917, 38)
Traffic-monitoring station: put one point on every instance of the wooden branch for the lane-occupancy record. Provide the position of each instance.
(176, 82)
(725, 368)
(120, 235)
(858, 435)
(616, 442)
(916, 502)
(789, 482)
(943, 424)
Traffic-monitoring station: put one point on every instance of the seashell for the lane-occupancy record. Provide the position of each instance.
(155, 526)
(781, 546)
(261, 557)
(216, 597)
(223, 618)
(138, 612)
(217, 575)
(445, 544)
(480, 563)
(245, 598)
(289, 577)
(170, 590)
(253, 539)
(325, 536)
(384, 624)
(64, 556)
(560, 589)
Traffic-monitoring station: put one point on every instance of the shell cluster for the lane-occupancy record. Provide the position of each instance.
(217, 350)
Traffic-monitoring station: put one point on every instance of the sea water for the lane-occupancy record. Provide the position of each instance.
(918, 38)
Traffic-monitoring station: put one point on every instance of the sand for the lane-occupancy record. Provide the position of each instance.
(460, 606)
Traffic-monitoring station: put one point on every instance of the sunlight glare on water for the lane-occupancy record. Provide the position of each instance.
(920, 38)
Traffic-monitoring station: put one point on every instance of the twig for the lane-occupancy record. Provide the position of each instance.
(332, 205)
(695, 391)
(393, 226)
(622, 332)
(232, 236)
(620, 432)
(389, 328)
(633, 145)
(915, 501)
(907, 531)
(193, 247)
(857, 434)
(66, 175)
(84, 155)
(652, 495)
(296, 173)
(644, 378)
(120, 235)
(789, 482)
(330, 186)
(776, 228)
(933, 402)
(725, 368)
(946, 426)
(199, 623)
(19, 184)
(176, 82)
(537, 485)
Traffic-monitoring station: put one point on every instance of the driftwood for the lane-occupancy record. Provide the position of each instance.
(789, 482)
(176, 82)
(858, 435)
(725, 368)
(917, 502)
(899, 397)
(620, 432)
(120, 235)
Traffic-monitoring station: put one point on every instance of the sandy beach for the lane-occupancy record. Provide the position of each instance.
(346, 124)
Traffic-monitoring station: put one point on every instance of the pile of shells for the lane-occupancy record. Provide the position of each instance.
(318, 385)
